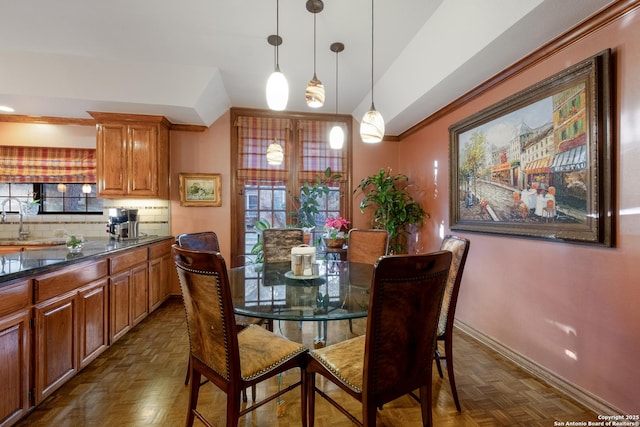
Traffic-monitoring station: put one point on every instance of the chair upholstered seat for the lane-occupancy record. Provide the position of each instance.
(344, 360)
(261, 350)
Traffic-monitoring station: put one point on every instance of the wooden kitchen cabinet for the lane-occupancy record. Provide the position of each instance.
(160, 269)
(128, 289)
(67, 317)
(132, 156)
(15, 343)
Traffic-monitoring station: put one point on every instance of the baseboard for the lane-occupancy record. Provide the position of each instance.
(572, 391)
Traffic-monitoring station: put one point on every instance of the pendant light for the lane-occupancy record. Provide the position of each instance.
(275, 155)
(372, 124)
(86, 188)
(277, 86)
(315, 89)
(336, 135)
(62, 188)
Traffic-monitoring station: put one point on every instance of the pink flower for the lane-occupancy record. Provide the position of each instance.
(333, 227)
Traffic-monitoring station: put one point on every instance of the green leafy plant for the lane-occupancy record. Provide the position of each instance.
(309, 200)
(257, 249)
(394, 207)
(74, 242)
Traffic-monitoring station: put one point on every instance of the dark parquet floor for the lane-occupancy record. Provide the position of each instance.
(139, 381)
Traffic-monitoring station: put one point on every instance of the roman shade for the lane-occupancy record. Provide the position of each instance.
(254, 136)
(47, 164)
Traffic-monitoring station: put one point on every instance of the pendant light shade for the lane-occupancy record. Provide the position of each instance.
(277, 86)
(372, 124)
(86, 188)
(275, 155)
(62, 188)
(314, 94)
(336, 135)
(277, 91)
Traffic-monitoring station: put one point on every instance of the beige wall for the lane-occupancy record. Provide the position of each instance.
(572, 309)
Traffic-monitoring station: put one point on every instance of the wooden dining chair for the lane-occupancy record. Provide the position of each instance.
(459, 247)
(277, 243)
(366, 246)
(208, 241)
(391, 359)
(229, 359)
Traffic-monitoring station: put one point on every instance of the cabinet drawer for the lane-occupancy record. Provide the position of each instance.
(14, 296)
(127, 259)
(158, 250)
(58, 282)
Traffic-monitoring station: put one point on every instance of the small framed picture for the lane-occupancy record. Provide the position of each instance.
(200, 189)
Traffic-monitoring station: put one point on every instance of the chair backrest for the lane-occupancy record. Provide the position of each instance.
(277, 243)
(405, 298)
(209, 310)
(203, 241)
(460, 248)
(366, 246)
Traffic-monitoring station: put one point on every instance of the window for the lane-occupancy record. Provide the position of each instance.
(268, 192)
(52, 201)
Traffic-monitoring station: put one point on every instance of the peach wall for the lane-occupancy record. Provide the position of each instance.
(206, 152)
(570, 309)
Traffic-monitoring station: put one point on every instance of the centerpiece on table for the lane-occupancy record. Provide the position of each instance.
(335, 232)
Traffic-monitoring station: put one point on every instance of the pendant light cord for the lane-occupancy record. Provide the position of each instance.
(278, 33)
(372, 55)
(314, 44)
(337, 84)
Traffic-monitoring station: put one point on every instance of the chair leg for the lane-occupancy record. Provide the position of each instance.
(311, 398)
(233, 409)
(437, 358)
(452, 380)
(304, 397)
(193, 396)
(350, 325)
(425, 405)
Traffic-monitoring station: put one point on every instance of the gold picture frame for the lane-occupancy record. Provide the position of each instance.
(538, 164)
(200, 189)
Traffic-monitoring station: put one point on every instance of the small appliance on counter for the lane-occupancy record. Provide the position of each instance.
(123, 223)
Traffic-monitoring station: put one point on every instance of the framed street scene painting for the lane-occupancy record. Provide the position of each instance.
(538, 164)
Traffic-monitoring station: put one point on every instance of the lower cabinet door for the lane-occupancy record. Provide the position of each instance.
(120, 306)
(14, 367)
(93, 321)
(140, 289)
(56, 346)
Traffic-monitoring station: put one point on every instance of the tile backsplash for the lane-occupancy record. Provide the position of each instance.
(153, 219)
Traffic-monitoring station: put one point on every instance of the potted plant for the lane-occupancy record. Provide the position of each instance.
(309, 200)
(394, 207)
(257, 249)
(335, 232)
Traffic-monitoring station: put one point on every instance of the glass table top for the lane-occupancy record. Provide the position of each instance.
(340, 290)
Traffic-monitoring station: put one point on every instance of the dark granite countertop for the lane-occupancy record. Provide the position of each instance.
(27, 263)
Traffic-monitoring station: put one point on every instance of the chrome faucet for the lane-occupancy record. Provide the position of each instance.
(22, 235)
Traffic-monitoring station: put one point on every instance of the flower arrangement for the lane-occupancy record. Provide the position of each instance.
(335, 228)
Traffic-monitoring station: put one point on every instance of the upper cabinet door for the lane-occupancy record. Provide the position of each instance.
(112, 160)
(133, 156)
(143, 160)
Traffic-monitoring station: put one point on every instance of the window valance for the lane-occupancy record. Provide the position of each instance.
(47, 164)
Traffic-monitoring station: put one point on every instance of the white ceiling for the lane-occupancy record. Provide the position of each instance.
(191, 60)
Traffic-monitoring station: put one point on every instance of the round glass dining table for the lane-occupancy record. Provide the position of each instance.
(339, 290)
